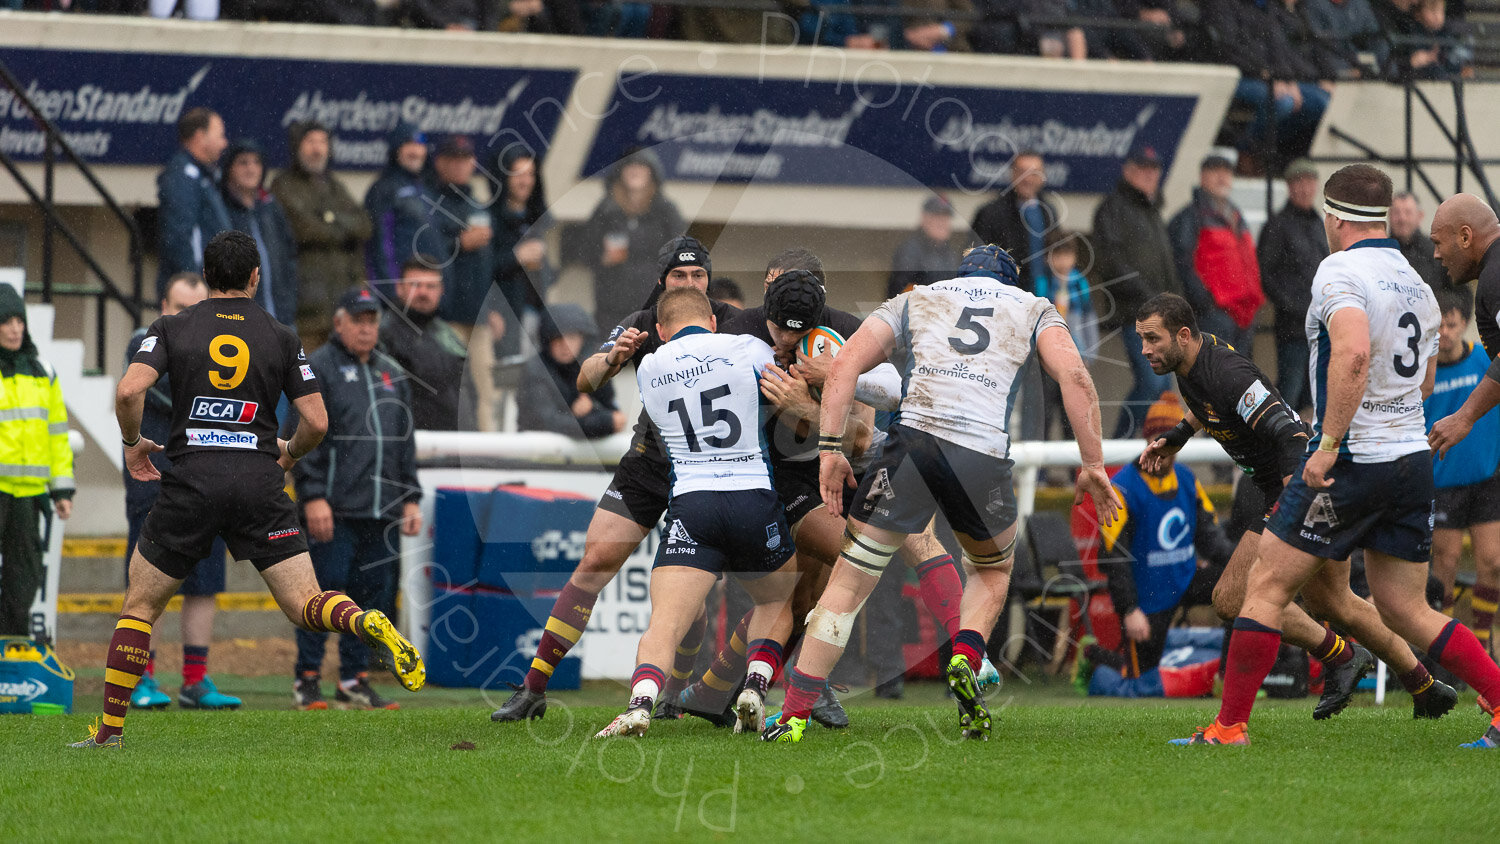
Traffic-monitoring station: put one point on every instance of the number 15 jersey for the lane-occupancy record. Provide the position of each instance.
(702, 391)
(230, 361)
(1373, 276)
(962, 343)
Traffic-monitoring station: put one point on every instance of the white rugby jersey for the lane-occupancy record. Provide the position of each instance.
(965, 341)
(702, 391)
(1374, 276)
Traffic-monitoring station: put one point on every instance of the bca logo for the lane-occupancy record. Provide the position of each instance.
(554, 544)
(209, 409)
(687, 256)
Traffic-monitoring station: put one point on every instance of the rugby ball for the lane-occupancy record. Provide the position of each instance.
(819, 340)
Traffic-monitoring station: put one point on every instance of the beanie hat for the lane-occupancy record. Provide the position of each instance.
(1162, 416)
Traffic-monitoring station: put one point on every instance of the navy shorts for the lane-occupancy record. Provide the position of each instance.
(741, 532)
(918, 474)
(1384, 507)
(1459, 507)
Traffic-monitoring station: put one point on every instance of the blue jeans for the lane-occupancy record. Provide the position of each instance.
(1291, 372)
(1294, 127)
(362, 560)
(1147, 388)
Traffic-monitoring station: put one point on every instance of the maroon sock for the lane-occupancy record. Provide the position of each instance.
(1416, 681)
(1457, 650)
(1252, 654)
(941, 591)
(686, 658)
(1483, 601)
(570, 615)
(1334, 651)
(802, 692)
(129, 650)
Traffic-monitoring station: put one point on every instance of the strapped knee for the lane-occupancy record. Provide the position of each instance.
(868, 556)
(831, 627)
(1000, 559)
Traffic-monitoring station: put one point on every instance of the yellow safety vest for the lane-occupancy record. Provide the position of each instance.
(35, 457)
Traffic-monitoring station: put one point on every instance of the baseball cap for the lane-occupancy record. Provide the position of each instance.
(937, 205)
(682, 251)
(455, 145)
(358, 300)
(1143, 155)
(1301, 167)
(795, 300)
(1216, 160)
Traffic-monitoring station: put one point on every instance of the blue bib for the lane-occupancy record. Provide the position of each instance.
(1161, 542)
(1474, 459)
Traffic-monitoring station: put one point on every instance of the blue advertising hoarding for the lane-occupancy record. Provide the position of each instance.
(837, 133)
(121, 108)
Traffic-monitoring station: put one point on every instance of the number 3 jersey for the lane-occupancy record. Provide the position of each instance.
(1373, 276)
(963, 341)
(230, 361)
(702, 392)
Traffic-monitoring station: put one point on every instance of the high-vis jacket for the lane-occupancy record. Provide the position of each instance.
(35, 457)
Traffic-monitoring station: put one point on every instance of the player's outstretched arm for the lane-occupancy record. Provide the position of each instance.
(1450, 430)
(1348, 374)
(602, 366)
(130, 403)
(312, 424)
(1061, 361)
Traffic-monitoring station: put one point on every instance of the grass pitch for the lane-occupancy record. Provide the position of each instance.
(1058, 769)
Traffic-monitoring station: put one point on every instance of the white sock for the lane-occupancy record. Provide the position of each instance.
(761, 669)
(646, 687)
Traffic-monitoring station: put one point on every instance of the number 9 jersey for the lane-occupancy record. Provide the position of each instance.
(1373, 276)
(230, 362)
(702, 391)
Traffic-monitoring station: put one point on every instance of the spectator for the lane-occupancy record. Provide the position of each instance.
(1068, 289)
(37, 470)
(398, 203)
(1467, 497)
(428, 348)
(357, 488)
(1246, 35)
(187, 190)
(936, 34)
(927, 255)
(253, 210)
(1406, 227)
(1105, 42)
(329, 226)
(202, 586)
(1133, 262)
(197, 10)
(1019, 218)
(454, 15)
(727, 291)
(549, 398)
(1151, 558)
(1215, 257)
(1344, 28)
(1292, 245)
(619, 241)
(1428, 47)
(522, 270)
(1324, 58)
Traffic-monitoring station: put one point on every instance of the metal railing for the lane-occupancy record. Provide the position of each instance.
(53, 225)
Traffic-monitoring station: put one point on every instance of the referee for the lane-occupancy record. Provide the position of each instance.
(230, 362)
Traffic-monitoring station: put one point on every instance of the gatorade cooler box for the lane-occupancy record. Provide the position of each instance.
(31, 675)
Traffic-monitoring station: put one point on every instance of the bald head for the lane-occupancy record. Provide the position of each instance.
(1463, 229)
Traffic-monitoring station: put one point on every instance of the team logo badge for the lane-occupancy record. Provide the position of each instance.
(1321, 512)
(307, 373)
(773, 537)
(881, 488)
(678, 533)
(351, 374)
(148, 344)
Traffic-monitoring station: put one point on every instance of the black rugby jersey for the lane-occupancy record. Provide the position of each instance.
(229, 363)
(1232, 399)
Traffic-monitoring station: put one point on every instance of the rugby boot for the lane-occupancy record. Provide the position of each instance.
(1237, 734)
(148, 695)
(690, 702)
(523, 705)
(973, 715)
(789, 732)
(1083, 667)
(392, 650)
(205, 695)
(632, 722)
(669, 710)
(1490, 740)
(1437, 701)
(988, 676)
(116, 741)
(1485, 705)
(750, 711)
(308, 694)
(362, 695)
(1339, 684)
(828, 711)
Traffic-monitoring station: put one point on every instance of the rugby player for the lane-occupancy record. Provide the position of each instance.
(1466, 240)
(1230, 398)
(1367, 483)
(636, 497)
(702, 392)
(965, 341)
(230, 362)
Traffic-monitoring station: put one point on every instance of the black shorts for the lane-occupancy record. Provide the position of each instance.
(741, 532)
(1459, 507)
(917, 474)
(1385, 507)
(238, 497)
(640, 488)
(797, 487)
(207, 577)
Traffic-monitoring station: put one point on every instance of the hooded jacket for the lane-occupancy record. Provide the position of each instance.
(549, 389)
(191, 212)
(522, 288)
(330, 229)
(1216, 259)
(366, 466)
(1133, 255)
(397, 203)
(620, 289)
(35, 457)
(266, 222)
